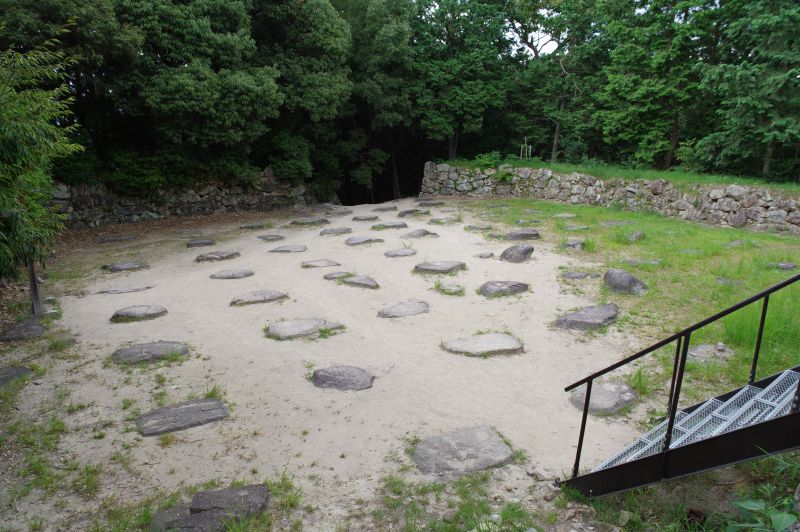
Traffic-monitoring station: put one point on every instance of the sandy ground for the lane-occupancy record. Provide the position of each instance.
(337, 444)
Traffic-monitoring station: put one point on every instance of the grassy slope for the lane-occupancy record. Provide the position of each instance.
(682, 179)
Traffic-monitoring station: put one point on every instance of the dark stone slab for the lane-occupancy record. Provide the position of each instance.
(231, 274)
(24, 330)
(450, 289)
(502, 288)
(200, 242)
(138, 313)
(430, 203)
(361, 281)
(213, 256)
(181, 416)
(402, 252)
(362, 240)
(588, 318)
(367, 218)
(15, 372)
(333, 231)
(576, 244)
(334, 276)
(342, 378)
(149, 352)
(478, 227)
(310, 221)
(576, 276)
(211, 521)
(271, 237)
(413, 212)
(255, 225)
(440, 267)
(242, 502)
(289, 248)
(164, 520)
(607, 398)
(389, 225)
(125, 266)
(523, 234)
(517, 254)
(621, 281)
(126, 289)
(419, 233)
(462, 451)
(320, 263)
(385, 208)
(258, 296)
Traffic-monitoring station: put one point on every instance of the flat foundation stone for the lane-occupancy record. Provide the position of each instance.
(321, 263)
(254, 226)
(334, 231)
(389, 225)
(440, 267)
(564, 215)
(361, 281)
(623, 282)
(342, 378)
(412, 307)
(126, 289)
(271, 237)
(462, 451)
(643, 262)
(402, 252)
(485, 255)
(484, 345)
(181, 416)
(385, 208)
(240, 502)
(200, 242)
(290, 329)
(413, 212)
(577, 244)
(448, 220)
(212, 256)
(523, 234)
(311, 220)
(577, 276)
(362, 240)
(231, 274)
(334, 276)
(706, 352)
(125, 266)
(430, 203)
(16, 372)
(289, 248)
(367, 218)
(478, 227)
(149, 352)
(575, 227)
(783, 265)
(502, 288)
(138, 313)
(258, 296)
(589, 318)
(517, 254)
(607, 398)
(24, 330)
(419, 233)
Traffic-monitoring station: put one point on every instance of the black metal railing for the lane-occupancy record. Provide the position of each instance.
(682, 339)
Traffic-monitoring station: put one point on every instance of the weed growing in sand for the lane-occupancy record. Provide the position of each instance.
(283, 491)
(642, 381)
(309, 370)
(87, 481)
(36, 440)
(215, 392)
(60, 343)
(165, 440)
(77, 407)
(126, 403)
(327, 332)
(448, 289)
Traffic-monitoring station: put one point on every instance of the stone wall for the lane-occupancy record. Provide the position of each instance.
(736, 206)
(94, 205)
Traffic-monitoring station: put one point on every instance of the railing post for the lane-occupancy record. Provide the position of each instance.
(674, 371)
(673, 407)
(583, 429)
(796, 401)
(758, 338)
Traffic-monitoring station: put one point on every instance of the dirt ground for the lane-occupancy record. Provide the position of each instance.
(338, 445)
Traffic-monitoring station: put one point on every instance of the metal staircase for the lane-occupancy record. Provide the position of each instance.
(758, 419)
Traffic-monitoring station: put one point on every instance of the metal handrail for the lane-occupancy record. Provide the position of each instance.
(683, 338)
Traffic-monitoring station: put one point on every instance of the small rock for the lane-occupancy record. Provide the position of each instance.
(15, 372)
(216, 255)
(271, 237)
(258, 296)
(575, 227)
(636, 236)
(517, 254)
(126, 289)
(706, 352)
(334, 231)
(289, 248)
(430, 203)
(138, 313)
(200, 242)
(534, 473)
(576, 244)
(444, 221)
(342, 378)
(502, 288)
(238, 502)
(619, 280)
(564, 215)
(450, 289)
(362, 240)
(589, 318)
(478, 227)
(485, 255)
(125, 266)
(231, 274)
(385, 208)
(321, 263)
(360, 281)
(254, 225)
(783, 265)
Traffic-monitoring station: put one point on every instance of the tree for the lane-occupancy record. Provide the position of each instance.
(30, 140)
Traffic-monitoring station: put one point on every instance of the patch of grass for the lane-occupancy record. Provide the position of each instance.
(642, 381)
(36, 440)
(126, 403)
(60, 343)
(165, 440)
(443, 289)
(309, 374)
(87, 481)
(215, 392)
(327, 332)
(9, 392)
(77, 407)
(283, 491)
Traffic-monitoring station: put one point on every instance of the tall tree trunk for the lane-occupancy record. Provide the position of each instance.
(557, 133)
(673, 143)
(452, 146)
(395, 177)
(36, 300)
(765, 168)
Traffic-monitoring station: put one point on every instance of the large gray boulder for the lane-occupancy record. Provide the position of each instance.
(485, 345)
(138, 313)
(213, 256)
(523, 234)
(462, 451)
(517, 254)
(502, 288)
(291, 329)
(342, 378)
(589, 318)
(607, 398)
(181, 416)
(125, 266)
(440, 267)
(412, 307)
(24, 330)
(149, 352)
(622, 281)
(258, 296)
